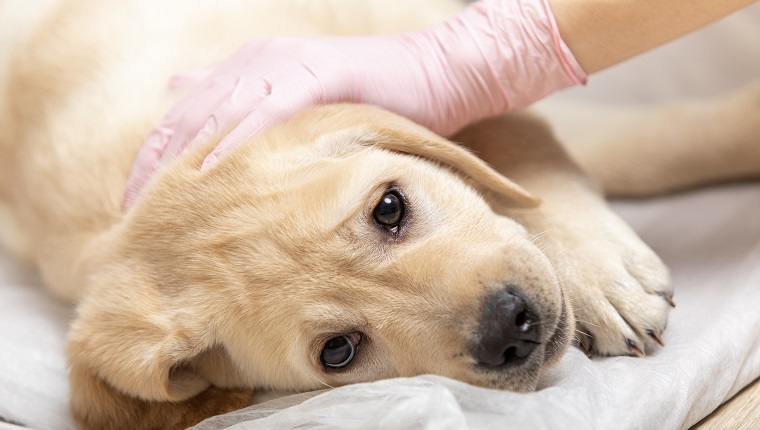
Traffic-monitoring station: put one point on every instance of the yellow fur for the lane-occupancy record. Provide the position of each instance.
(225, 280)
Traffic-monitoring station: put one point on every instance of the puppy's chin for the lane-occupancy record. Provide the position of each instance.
(520, 379)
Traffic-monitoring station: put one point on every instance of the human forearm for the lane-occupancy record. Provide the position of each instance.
(602, 33)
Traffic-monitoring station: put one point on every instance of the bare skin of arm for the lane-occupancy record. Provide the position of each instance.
(602, 33)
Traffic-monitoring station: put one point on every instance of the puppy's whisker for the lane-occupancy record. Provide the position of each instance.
(588, 323)
(538, 324)
(534, 238)
(319, 380)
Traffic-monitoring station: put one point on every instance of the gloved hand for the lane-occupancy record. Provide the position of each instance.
(494, 56)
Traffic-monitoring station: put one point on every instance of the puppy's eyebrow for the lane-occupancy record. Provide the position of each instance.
(329, 318)
(344, 142)
(449, 154)
(433, 148)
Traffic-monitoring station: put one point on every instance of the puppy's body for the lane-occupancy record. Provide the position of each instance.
(235, 277)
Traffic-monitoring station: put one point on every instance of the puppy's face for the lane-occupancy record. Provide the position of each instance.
(348, 245)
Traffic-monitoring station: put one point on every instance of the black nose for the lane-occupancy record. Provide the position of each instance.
(508, 330)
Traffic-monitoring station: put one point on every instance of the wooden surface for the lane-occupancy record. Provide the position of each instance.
(740, 412)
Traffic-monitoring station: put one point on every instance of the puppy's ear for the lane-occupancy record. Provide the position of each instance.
(448, 153)
(138, 347)
(95, 404)
(130, 362)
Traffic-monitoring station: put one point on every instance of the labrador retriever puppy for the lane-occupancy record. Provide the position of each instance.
(345, 245)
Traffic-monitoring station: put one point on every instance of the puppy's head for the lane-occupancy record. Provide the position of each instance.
(346, 245)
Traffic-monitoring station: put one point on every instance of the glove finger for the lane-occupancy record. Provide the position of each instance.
(230, 80)
(285, 92)
(244, 99)
(272, 110)
(183, 121)
(145, 164)
(162, 144)
(196, 111)
(188, 78)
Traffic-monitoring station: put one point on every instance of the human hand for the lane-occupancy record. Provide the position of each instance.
(494, 56)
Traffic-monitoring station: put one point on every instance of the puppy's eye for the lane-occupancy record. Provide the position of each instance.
(339, 351)
(390, 211)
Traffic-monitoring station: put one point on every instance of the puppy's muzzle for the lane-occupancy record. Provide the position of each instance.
(508, 330)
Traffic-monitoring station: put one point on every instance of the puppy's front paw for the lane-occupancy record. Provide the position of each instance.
(619, 288)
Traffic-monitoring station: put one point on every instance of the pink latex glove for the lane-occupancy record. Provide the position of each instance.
(496, 55)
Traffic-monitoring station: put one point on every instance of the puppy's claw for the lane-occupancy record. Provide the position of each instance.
(635, 350)
(668, 298)
(655, 334)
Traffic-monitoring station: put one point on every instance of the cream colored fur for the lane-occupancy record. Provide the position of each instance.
(221, 281)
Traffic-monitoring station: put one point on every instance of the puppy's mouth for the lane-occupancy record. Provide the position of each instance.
(560, 339)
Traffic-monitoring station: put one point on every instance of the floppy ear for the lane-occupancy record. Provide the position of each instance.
(130, 363)
(450, 154)
(97, 405)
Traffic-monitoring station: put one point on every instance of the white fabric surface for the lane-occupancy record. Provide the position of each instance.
(709, 238)
(33, 382)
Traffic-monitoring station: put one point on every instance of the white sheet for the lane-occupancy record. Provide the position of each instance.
(710, 239)
(33, 384)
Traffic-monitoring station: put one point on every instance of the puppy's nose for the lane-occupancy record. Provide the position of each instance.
(508, 330)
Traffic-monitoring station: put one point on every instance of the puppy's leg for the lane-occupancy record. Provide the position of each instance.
(646, 151)
(618, 287)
